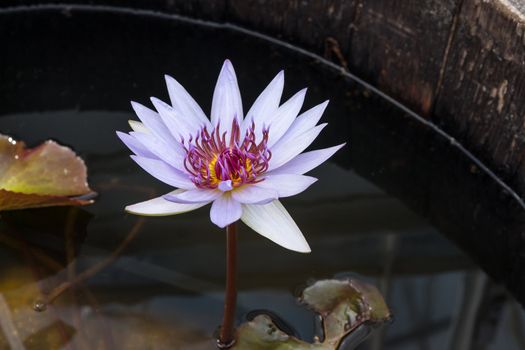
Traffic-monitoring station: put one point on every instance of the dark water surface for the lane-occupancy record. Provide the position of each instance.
(402, 206)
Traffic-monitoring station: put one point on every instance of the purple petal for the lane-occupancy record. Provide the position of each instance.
(226, 103)
(161, 207)
(287, 148)
(153, 123)
(164, 172)
(173, 155)
(287, 185)
(135, 146)
(194, 196)
(265, 105)
(178, 126)
(280, 121)
(254, 194)
(184, 104)
(225, 210)
(307, 161)
(273, 222)
(304, 122)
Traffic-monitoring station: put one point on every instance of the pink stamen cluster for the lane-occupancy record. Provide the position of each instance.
(212, 159)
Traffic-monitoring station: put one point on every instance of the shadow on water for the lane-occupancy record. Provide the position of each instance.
(382, 208)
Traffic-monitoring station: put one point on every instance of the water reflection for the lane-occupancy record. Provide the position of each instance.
(159, 305)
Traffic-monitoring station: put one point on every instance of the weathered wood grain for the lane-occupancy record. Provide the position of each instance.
(481, 99)
(307, 23)
(396, 45)
(399, 46)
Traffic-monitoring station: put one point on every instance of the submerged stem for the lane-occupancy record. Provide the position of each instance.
(226, 337)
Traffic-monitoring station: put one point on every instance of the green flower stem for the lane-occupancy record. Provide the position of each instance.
(227, 334)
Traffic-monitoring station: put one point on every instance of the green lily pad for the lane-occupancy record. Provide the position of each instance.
(343, 305)
(47, 175)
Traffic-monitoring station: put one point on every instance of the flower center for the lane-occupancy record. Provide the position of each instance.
(215, 162)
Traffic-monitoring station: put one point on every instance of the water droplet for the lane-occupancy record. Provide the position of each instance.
(40, 306)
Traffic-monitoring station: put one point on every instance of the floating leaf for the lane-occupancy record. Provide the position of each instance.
(47, 175)
(344, 306)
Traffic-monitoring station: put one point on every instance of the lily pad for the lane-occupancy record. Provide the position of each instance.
(345, 307)
(47, 175)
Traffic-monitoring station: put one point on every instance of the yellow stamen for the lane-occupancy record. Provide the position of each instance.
(213, 176)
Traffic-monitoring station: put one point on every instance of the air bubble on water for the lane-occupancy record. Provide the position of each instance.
(40, 306)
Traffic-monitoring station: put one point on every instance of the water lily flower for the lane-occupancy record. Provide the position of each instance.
(241, 164)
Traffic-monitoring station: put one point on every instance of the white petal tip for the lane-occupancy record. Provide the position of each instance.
(273, 222)
(136, 106)
(133, 209)
(306, 250)
(219, 225)
(298, 247)
(129, 209)
(279, 77)
(170, 81)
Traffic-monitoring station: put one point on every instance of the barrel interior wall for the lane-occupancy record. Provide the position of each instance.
(457, 62)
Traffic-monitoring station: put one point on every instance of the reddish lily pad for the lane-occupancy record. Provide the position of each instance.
(47, 175)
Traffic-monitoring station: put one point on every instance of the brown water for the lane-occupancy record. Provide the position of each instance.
(382, 209)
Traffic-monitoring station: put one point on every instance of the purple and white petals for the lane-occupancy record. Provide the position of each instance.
(254, 194)
(152, 123)
(226, 104)
(194, 196)
(288, 148)
(284, 117)
(306, 120)
(307, 161)
(178, 126)
(286, 185)
(265, 105)
(185, 105)
(273, 222)
(225, 210)
(172, 154)
(226, 162)
(135, 146)
(161, 207)
(164, 172)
